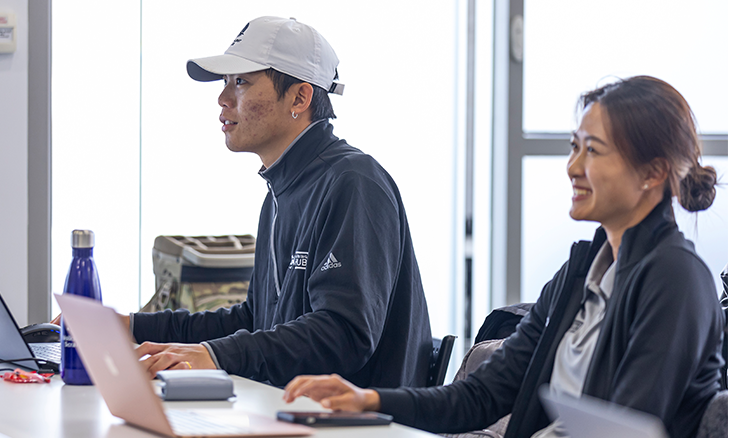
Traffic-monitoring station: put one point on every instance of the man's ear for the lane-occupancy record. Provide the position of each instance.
(302, 95)
(656, 172)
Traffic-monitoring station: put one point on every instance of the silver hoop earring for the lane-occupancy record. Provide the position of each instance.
(294, 115)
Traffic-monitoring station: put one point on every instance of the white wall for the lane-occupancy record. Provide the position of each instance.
(14, 166)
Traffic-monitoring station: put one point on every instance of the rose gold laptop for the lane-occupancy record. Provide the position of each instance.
(109, 358)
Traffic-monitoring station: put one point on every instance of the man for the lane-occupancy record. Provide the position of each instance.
(336, 287)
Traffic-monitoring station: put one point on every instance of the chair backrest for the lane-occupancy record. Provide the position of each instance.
(440, 360)
(479, 353)
(714, 421)
(502, 322)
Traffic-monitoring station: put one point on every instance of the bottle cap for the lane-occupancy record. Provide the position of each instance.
(83, 239)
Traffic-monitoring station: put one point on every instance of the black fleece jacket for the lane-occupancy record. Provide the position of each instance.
(659, 350)
(335, 287)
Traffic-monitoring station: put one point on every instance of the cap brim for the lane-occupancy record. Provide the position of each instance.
(214, 68)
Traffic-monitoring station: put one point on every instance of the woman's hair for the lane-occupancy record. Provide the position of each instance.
(648, 119)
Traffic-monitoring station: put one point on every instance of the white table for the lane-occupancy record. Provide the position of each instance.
(58, 410)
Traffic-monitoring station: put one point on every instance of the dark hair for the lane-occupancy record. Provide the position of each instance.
(647, 119)
(320, 104)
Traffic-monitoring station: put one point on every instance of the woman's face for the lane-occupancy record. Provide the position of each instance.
(606, 188)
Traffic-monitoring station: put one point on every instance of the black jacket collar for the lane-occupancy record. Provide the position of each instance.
(640, 239)
(643, 237)
(295, 159)
(636, 241)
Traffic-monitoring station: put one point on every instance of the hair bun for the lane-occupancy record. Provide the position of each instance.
(697, 188)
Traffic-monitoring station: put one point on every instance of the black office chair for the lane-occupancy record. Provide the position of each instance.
(440, 360)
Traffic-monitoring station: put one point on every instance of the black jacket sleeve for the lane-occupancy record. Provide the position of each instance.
(349, 304)
(183, 326)
(484, 396)
(675, 337)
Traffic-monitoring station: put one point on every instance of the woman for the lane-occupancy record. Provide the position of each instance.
(632, 317)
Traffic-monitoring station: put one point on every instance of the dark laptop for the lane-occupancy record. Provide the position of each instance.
(15, 352)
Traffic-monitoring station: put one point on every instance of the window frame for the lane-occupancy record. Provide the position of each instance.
(39, 160)
(521, 144)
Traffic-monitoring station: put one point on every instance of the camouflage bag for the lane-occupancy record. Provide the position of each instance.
(201, 273)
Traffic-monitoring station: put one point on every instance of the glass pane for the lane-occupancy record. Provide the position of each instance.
(548, 231)
(95, 138)
(581, 44)
(191, 183)
(188, 182)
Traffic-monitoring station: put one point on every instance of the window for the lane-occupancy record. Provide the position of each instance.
(580, 45)
(548, 231)
(95, 141)
(138, 150)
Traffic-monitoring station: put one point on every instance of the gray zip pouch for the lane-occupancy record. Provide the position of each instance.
(195, 385)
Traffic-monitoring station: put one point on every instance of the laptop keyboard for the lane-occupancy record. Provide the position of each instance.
(48, 351)
(186, 423)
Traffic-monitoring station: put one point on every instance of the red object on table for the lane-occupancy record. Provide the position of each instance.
(20, 376)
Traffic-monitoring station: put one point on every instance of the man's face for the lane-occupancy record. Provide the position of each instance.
(253, 117)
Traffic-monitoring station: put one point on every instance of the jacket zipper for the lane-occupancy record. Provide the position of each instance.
(577, 252)
(272, 239)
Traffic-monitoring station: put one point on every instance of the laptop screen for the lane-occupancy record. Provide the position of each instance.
(12, 345)
(588, 417)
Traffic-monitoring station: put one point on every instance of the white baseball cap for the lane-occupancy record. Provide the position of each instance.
(285, 45)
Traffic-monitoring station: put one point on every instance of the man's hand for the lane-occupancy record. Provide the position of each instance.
(333, 392)
(174, 357)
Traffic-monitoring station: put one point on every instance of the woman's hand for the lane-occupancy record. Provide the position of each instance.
(333, 392)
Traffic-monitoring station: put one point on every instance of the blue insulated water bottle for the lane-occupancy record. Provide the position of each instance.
(82, 279)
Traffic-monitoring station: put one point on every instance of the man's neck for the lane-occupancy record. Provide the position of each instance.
(272, 158)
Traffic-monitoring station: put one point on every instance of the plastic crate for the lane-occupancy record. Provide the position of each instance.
(201, 272)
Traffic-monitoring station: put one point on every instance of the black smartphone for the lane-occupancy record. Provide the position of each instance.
(336, 418)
